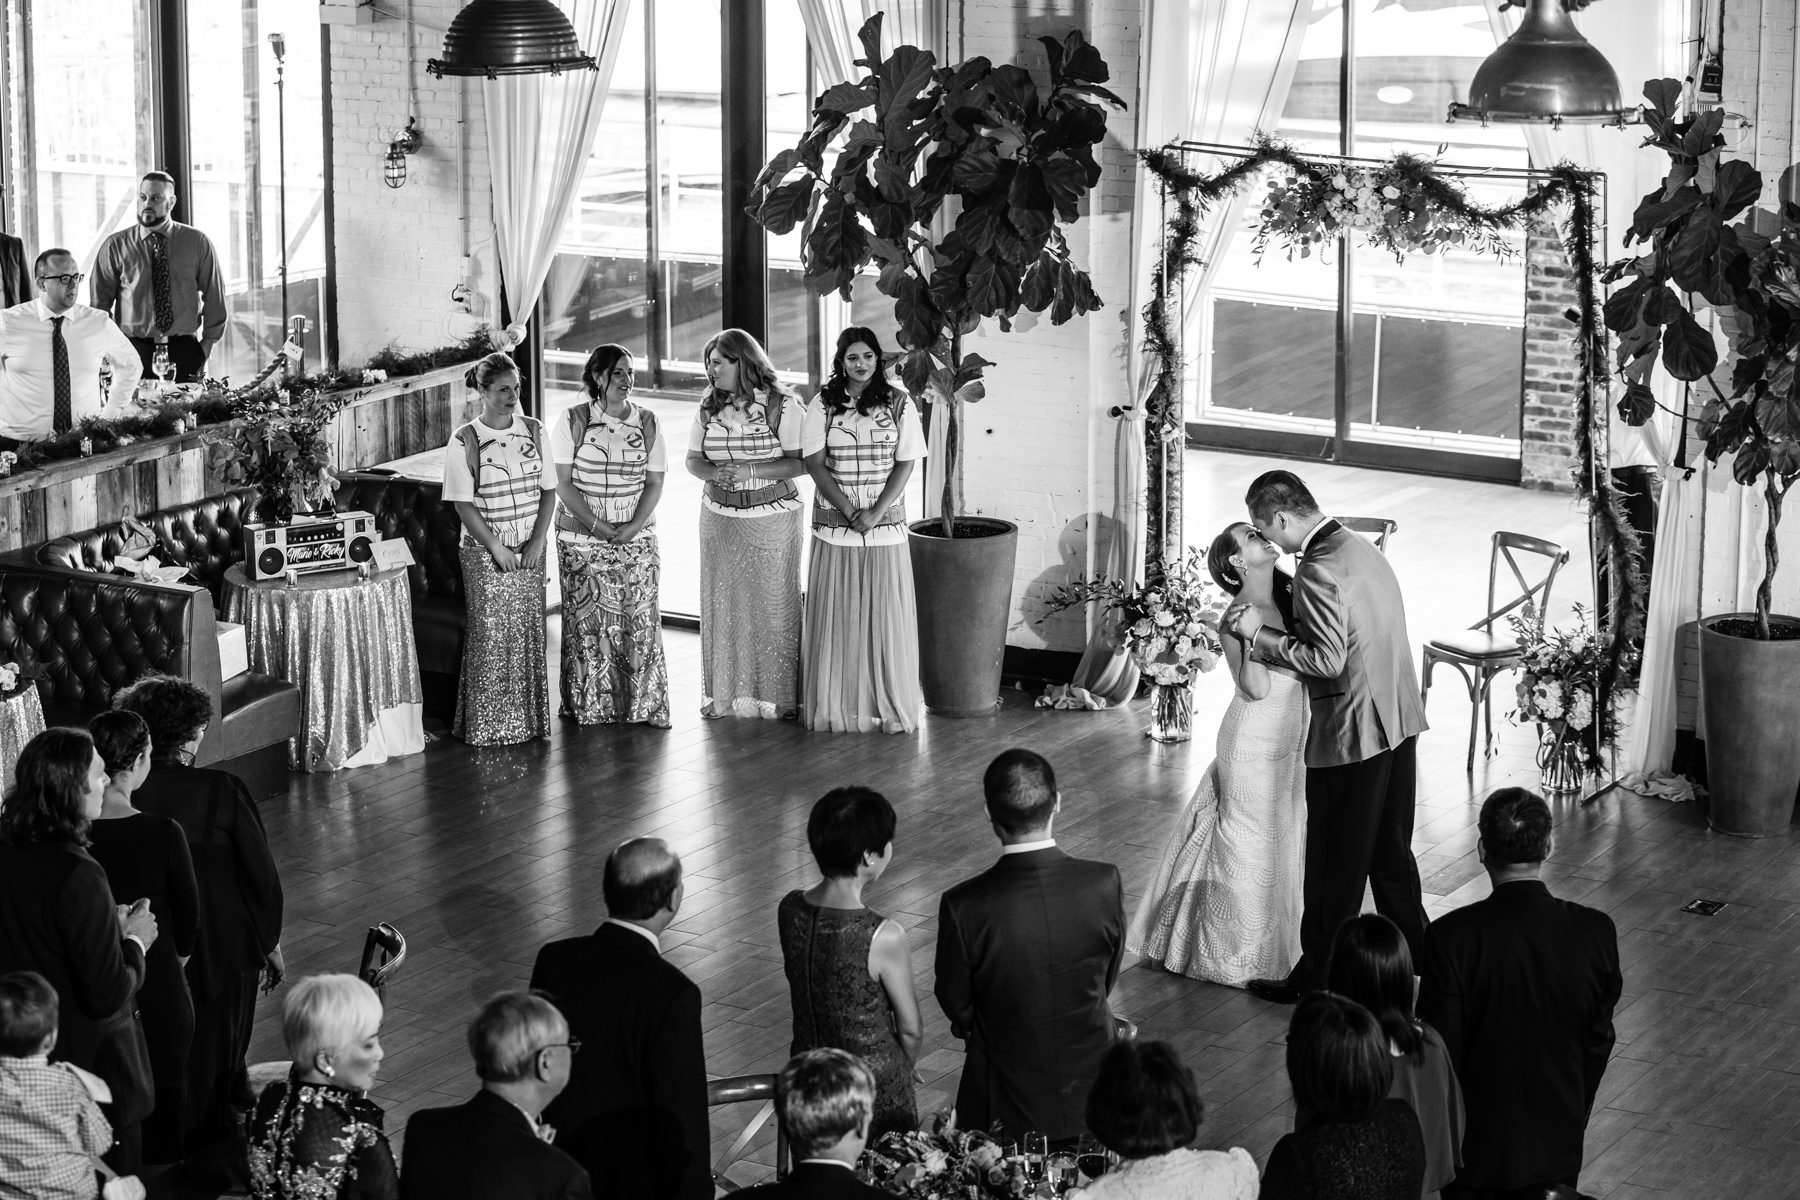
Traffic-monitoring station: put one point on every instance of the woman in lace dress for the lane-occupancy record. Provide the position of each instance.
(1225, 904)
(848, 968)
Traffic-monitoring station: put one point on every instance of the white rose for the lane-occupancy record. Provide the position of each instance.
(1165, 618)
(1340, 182)
(1391, 192)
(1183, 647)
(1142, 628)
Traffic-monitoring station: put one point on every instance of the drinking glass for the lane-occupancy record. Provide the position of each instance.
(1037, 1145)
(1063, 1172)
(160, 366)
(1091, 1159)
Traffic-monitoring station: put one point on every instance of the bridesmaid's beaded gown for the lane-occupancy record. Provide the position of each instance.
(838, 1004)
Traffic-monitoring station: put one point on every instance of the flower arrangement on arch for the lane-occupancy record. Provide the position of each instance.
(1171, 629)
(1558, 678)
(947, 1163)
(1401, 206)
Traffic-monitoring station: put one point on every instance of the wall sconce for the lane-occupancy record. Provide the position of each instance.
(393, 165)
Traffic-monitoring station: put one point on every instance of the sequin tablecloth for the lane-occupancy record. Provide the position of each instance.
(348, 644)
(21, 719)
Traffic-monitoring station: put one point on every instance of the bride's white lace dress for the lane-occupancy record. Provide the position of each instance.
(1225, 903)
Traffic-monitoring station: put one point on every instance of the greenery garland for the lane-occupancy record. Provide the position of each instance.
(1433, 205)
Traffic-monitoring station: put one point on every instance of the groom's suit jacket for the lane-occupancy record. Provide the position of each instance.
(1349, 644)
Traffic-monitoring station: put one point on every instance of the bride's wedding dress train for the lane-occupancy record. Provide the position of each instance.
(1225, 903)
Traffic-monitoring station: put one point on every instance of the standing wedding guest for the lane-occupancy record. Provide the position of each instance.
(57, 918)
(52, 1131)
(316, 1135)
(860, 439)
(160, 280)
(240, 892)
(1026, 954)
(51, 350)
(1371, 965)
(634, 1113)
(1351, 1141)
(1145, 1108)
(147, 855)
(15, 280)
(849, 970)
(609, 476)
(745, 446)
(497, 473)
(496, 1146)
(1522, 986)
(826, 1099)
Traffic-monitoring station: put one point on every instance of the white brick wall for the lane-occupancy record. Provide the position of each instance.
(400, 251)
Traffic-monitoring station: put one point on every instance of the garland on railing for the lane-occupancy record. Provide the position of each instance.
(1444, 207)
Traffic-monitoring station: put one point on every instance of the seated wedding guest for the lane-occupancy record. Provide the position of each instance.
(147, 855)
(634, 1112)
(1371, 964)
(1026, 954)
(51, 349)
(1350, 1140)
(495, 1146)
(1145, 1108)
(316, 1135)
(849, 970)
(826, 1099)
(52, 1132)
(57, 918)
(1522, 986)
(240, 892)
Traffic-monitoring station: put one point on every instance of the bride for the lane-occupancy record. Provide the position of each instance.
(1225, 904)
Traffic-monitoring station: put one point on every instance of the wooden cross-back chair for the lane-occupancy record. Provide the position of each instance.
(1482, 651)
(747, 1089)
(1378, 529)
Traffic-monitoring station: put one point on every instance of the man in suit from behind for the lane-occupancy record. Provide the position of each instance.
(825, 1098)
(495, 1147)
(634, 1113)
(1522, 987)
(1350, 647)
(1026, 954)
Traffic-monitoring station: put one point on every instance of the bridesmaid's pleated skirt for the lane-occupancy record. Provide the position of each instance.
(861, 669)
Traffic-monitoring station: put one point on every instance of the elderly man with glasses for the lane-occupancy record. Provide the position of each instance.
(51, 350)
(497, 1146)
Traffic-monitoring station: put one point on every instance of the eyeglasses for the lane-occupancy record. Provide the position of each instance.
(573, 1045)
(65, 280)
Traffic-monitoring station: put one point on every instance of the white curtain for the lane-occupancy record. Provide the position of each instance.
(540, 129)
(1215, 71)
(831, 27)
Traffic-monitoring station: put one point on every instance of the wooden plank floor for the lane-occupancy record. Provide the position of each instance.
(480, 856)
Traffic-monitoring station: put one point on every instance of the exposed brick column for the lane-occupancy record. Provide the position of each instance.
(1547, 429)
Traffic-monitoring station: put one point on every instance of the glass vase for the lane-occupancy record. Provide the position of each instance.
(1560, 769)
(1171, 712)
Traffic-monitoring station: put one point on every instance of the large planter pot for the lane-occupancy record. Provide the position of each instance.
(965, 595)
(1749, 715)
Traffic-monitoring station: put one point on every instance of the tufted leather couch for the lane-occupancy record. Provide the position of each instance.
(92, 634)
(206, 536)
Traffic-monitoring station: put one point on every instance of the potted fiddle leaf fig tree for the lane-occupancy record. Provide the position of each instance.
(1702, 237)
(957, 182)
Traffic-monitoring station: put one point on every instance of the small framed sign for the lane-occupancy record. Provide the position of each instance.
(392, 552)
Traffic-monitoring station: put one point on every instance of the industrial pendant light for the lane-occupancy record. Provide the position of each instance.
(1545, 73)
(510, 37)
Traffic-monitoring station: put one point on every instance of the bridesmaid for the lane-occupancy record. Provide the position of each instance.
(849, 970)
(745, 445)
(862, 643)
(494, 473)
(609, 476)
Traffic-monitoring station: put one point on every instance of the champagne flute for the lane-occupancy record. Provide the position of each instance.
(160, 366)
(1037, 1147)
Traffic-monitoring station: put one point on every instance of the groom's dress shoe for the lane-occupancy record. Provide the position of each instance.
(1275, 991)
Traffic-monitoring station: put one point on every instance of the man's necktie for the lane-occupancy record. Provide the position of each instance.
(161, 284)
(62, 417)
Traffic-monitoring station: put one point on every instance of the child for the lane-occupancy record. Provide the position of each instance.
(52, 1132)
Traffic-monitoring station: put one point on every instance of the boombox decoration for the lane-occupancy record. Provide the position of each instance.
(323, 544)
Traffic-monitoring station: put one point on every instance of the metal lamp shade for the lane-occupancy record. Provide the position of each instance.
(1545, 72)
(510, 37)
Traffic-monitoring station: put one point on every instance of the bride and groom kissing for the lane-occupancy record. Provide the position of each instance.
(1311, 793)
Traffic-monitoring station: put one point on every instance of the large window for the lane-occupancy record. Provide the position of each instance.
(1432, 349)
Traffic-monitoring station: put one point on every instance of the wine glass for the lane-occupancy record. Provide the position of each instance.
(1037, 1147)
(160, 366)
(1063, 1171)
(1091, 1159)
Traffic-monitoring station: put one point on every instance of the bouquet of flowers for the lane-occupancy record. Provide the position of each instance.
(947, 1163)
(1171, 629)
(1557, 685)
(1400, 205)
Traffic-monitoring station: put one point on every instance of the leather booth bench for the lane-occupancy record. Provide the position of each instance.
(92, 634)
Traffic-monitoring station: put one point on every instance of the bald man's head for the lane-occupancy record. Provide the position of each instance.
(642, 877)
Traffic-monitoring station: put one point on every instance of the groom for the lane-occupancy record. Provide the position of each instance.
(1349, 645)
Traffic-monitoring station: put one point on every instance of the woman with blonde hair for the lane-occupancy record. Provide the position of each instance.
(316, 1135)
(497, 474)
(745, 447)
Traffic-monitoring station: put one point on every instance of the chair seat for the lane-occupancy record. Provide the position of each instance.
(257, 710)
(1475, 645)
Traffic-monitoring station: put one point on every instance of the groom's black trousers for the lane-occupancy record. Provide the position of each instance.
(1359, 826)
